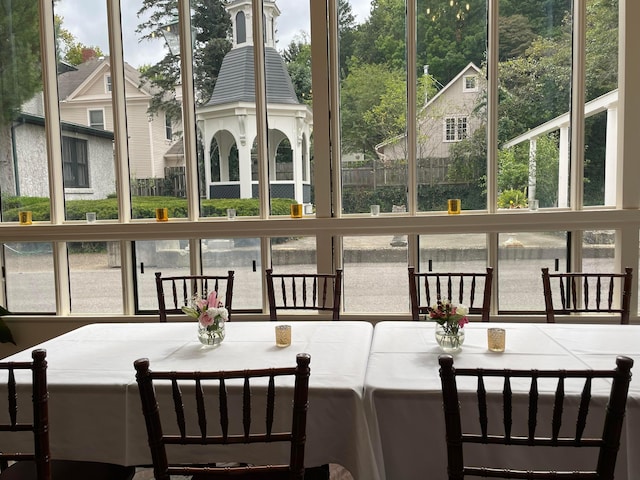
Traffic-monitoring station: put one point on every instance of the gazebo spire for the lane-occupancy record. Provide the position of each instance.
(241, 14)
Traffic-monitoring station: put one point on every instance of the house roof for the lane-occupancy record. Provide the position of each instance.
(25, 118)
(236, 81)
(70, 81)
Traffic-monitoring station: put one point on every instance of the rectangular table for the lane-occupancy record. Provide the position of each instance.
(403, 391)
(94, 405)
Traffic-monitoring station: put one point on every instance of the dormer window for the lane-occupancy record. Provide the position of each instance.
(107, 83)
(470, 83)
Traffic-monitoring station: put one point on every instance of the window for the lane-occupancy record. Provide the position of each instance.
(96, 119)
(470, 83)
(455, 129)
(479, 130)
(75, 165)
(168, 127)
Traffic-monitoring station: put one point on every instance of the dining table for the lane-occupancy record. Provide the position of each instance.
(403, 400)
(94, 405)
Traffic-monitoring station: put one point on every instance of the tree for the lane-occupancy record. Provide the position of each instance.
(213, 26)
(69, 49)
(297, 57)
(373, 99)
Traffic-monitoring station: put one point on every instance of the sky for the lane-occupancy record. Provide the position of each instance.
(86, 20)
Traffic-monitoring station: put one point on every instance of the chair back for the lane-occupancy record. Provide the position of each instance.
(470, 289)
(571, 293)
(221, 388)
(39, 423)
(304, 291)
(607, 443)
(177, 292)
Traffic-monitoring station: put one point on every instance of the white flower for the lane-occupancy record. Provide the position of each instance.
(462, 310)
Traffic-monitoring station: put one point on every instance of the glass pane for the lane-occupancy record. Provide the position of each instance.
(452, 118)
(86, 113)
(171, 257)
(30, 283)
(598, 250)
(242, 255)
(292, 255)
(375, 274)
(601, 127)
(373, 107)
(96, 281)
(288, 75)
(24, 182)
(535, 43)
(154, 108)
(522, 256)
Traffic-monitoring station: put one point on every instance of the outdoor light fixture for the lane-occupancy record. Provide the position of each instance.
(171, 34)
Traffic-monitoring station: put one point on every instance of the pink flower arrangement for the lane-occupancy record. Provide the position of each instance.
(452, 317)
(209, 311)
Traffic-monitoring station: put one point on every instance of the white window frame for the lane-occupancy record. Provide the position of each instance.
(470, 78)
(96, 125)
(455, 128)
(329, 227)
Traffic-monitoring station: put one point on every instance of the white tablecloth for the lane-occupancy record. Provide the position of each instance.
(403, 390)
(94, 407)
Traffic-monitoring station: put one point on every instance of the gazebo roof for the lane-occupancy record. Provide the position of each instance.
(236, 81)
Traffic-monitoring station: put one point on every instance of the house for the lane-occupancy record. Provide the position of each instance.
(85, 99)
(443, 121)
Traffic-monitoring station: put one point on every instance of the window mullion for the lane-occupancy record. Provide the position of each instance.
(577, 104)
(492, 104)
(412, 115)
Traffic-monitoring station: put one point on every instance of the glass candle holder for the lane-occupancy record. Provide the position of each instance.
(375, 210)
(496, 339)
(453, 206)
(283, 335)
(231, 213)
(25, 218)
(162, 214)
(91, 217)
(296, 210)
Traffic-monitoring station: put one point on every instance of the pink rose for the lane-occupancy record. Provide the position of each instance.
(462, 322)
(206, 319)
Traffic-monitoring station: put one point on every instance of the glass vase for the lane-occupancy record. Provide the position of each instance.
(211, 334)
(449, 342)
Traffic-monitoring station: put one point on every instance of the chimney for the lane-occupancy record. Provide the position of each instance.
(88, 54)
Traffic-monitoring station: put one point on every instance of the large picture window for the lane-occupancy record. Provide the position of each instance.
(372, 123)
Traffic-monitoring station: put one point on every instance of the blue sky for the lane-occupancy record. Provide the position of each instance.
(86, 20)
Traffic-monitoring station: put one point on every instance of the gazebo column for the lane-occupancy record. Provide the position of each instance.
(611, 157)
(563, 168)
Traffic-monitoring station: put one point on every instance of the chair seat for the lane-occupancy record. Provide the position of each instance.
(70, 470)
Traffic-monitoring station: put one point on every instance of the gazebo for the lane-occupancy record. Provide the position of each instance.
(227, 123)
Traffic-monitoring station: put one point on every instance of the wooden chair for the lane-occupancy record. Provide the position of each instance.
(182, 289)
(206, 387)
(606, 444)
(304, 291)
(38, 465)
(587, 293)
(426, 288)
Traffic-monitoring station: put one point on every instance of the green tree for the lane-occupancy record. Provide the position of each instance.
(213, 28)
(297, 57)
(373, 99)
